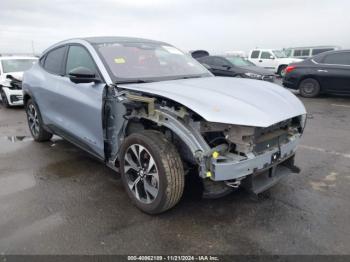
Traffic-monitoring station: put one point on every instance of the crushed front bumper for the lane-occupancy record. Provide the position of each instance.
(14, 97)
(264, 179)
(276, 163)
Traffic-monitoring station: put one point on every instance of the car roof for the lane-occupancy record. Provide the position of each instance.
(334, 51)
(320, 55)
(17, 57)
(118, 39)
(263, 49)
(313, 47)
(102, 40)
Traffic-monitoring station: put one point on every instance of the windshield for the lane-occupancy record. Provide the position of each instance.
(239, 61)
(279, 53)
(288, 52)
(17, 65)
(128, 62)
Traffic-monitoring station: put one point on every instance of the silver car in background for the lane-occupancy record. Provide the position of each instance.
(156, 115)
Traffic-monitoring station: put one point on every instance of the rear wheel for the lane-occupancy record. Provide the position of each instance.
(309, 87)
(152, 171)
(4, 100)
(35, 123)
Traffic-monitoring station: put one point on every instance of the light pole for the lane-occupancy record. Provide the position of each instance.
(33, 51)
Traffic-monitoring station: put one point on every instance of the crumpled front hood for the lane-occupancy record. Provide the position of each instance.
(16, 75)
(228, 100)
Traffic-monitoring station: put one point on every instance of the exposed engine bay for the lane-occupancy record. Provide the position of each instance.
(222, 153)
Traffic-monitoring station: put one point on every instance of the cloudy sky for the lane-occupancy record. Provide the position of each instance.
(217, 26)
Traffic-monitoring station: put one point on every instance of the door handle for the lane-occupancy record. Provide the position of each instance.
(322, 71)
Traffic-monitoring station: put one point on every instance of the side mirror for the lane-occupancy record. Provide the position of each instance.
(272, 57)
(9, 77)
(82, 75)
(227, 67)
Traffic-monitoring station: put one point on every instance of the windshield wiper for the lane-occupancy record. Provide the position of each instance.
(189, 77)
(132, 81)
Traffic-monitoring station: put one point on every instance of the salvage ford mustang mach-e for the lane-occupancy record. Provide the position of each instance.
(155, 114)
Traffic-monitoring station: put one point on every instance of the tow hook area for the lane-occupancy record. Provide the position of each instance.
(264, 179)
(215, 189)
(289, 163)
(233, 183)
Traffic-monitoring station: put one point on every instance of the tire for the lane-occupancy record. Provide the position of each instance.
(4, 100)
(309, 87)
(156, 193)
(282, 71)
(35, 123)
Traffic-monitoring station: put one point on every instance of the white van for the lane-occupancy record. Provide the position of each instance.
(308, 51)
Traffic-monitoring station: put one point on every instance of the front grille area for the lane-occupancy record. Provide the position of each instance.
(271, 137)
(16, 98)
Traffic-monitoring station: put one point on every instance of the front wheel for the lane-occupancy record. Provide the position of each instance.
(4, 100)
(152, 171)
(35, 123)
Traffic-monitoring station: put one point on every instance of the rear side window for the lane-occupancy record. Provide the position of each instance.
(337, 59)
(265, 55)
(297, 52)
(220, 62)
(305, 52)
(255, 54)
(78, 56)
(54, 59)
(302, 52)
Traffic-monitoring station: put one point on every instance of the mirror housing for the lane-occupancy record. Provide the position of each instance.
(10, 77)
(227, 67)
(82, 75)
(272, 57)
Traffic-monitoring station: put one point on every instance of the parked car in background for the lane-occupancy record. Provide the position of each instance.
(308, 51)
(11, 71)
(235, 66)
(275, 60)
(328, 72)
(145, 108)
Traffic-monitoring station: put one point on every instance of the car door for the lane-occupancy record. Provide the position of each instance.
(267, 60)
(51, 69)
(79, 106)
(334, 72)
(254, 57)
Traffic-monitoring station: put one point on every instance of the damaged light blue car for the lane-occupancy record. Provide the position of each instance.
(155, 115)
